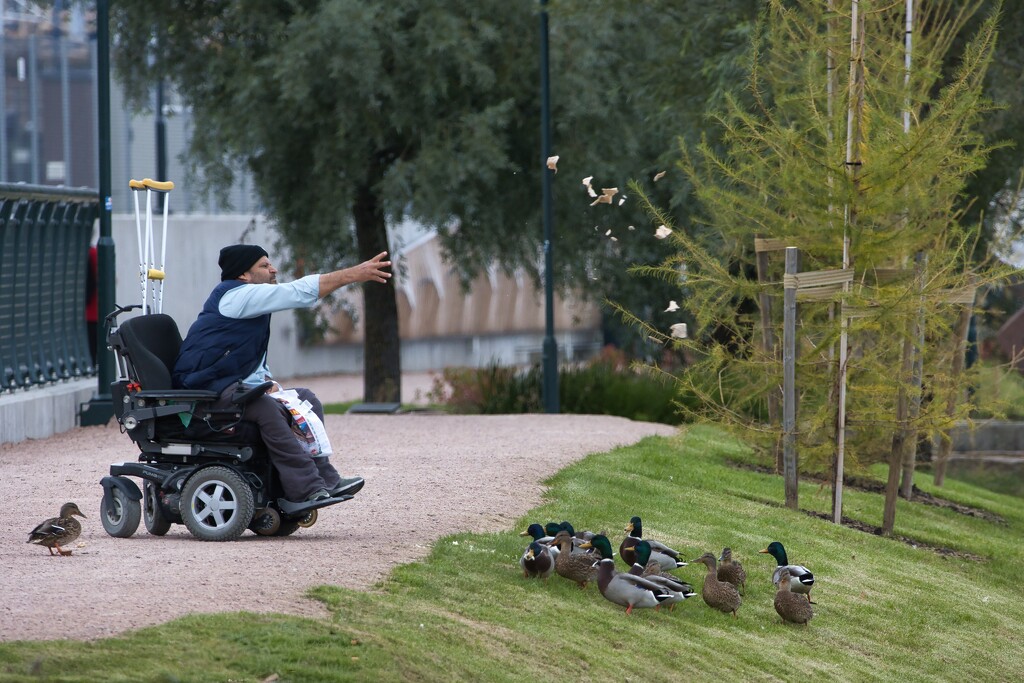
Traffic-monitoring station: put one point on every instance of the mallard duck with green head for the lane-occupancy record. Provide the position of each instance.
(801, 578)
(731, 571)
(58, 531)
(678, 590)
(540, 535)
(719, 595)
(666, 556)
(628, 590)
(575, 566)
(791, 606)
(537, 562)
(652, 571)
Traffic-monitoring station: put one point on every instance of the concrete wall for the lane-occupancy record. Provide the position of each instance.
(40, 412)
(989, 436)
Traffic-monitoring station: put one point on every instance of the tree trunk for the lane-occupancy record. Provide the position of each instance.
(899, 438)
(946, 443)
(382, 367)
(916, 381)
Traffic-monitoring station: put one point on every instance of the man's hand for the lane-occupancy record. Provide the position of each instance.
(367, 271)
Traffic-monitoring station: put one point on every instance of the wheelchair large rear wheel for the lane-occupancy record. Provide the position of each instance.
(153, 512)
(119, 514)
(216, 504)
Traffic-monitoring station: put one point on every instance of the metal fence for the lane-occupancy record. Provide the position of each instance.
(45, 233)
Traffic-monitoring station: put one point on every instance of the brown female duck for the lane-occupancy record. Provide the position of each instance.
(57, 531)
(578, 566)
(791, 606)
(731, 571)
(717, 594)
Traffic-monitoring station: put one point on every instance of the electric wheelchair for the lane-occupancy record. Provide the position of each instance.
(205, 468)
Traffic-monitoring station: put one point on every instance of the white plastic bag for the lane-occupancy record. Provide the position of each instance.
(308, 428)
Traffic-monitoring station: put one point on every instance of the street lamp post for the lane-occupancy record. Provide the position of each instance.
(550, 389)
(100, 408)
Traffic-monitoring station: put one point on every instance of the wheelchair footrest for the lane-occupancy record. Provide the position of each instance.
(290, 508)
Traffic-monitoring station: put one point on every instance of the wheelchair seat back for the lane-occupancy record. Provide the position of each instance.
(150, 344)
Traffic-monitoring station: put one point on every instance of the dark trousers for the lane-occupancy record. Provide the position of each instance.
(301, 474)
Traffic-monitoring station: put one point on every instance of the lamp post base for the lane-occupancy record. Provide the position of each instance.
(97, 411)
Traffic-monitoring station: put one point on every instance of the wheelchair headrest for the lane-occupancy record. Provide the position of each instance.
(151, 343)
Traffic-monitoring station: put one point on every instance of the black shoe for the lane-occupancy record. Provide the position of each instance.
(318, 495)
(348, 487)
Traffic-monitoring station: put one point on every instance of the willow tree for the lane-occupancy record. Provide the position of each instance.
(828, 166)
(351, 116)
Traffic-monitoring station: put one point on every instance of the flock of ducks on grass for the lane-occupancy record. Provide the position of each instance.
(585, 556)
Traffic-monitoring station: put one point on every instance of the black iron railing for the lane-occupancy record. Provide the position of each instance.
(45, 233)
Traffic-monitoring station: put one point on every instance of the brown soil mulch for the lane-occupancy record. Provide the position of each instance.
(919, 496)
(877, 531)
(874, 486)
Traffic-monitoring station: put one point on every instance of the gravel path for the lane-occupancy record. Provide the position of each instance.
(430, 475)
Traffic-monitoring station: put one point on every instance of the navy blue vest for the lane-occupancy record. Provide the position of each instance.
(218, 351)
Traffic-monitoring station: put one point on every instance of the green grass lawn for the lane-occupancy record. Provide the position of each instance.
(886, 610)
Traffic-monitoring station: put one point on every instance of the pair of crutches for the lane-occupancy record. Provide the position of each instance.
(152, 298)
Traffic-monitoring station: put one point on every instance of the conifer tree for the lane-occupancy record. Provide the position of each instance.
(823, 161)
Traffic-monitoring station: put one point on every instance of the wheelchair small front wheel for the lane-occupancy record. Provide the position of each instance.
(216, 504)
(265, 522)
(119, 514)
(153, 513)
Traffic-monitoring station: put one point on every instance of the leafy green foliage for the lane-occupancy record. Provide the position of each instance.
(998, 393)
(603, 386)
(491, 390)
(464, 612)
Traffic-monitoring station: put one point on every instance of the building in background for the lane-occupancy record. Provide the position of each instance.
(48, 96)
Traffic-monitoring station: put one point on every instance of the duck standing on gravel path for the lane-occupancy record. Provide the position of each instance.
(57, 531)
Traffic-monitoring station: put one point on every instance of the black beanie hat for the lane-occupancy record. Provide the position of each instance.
(238, 258)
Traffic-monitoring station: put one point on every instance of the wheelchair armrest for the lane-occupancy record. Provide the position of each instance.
(178, 395)
(243, 396)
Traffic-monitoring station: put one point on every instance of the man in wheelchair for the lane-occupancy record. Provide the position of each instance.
(217, 453)
(227, 347)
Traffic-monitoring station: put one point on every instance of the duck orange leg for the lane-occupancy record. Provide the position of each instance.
(63, 552)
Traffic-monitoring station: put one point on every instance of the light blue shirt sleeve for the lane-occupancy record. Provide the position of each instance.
(261, 374)
(251, 301)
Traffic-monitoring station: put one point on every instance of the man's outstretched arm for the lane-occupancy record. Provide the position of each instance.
(367, 271)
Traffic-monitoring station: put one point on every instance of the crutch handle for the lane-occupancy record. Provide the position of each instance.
(155, 274)
(150, 184)
(158, 185)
